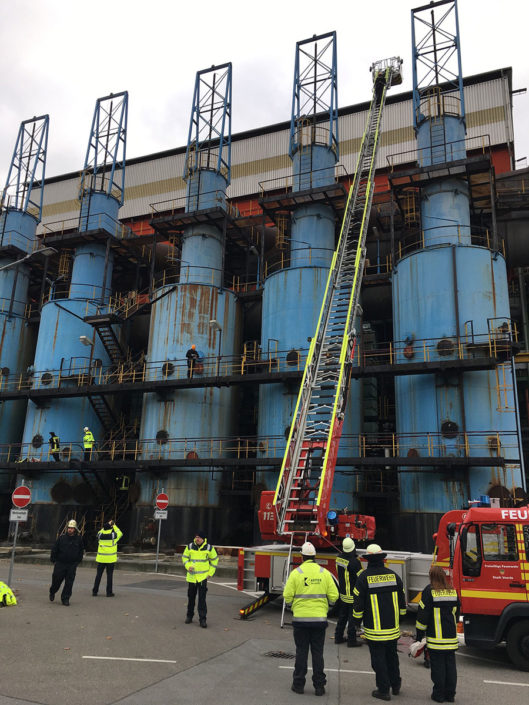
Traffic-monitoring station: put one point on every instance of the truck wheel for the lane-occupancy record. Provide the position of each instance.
(518, 644)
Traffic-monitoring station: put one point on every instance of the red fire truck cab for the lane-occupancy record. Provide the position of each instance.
(486, 550)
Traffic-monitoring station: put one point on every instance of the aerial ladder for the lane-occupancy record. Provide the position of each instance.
(303, 492)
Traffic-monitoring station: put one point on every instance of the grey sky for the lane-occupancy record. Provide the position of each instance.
(61, 55)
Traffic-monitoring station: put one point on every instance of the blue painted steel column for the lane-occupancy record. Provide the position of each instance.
(18, 230)
(292, 297)
(454, 291)
(292, 301)
(179, 320)
(59, 349)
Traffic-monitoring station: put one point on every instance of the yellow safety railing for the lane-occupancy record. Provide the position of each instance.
(495, 344)
(487, 445)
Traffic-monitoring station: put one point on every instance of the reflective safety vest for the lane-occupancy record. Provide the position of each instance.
(200, 562)
(107, 548)
(437, 616)
(55, 444)
(88, 440)
(7, 596)
(348, 568)
(379, 602)
(310, 589)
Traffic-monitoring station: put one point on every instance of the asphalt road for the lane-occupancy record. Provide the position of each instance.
(134, 649)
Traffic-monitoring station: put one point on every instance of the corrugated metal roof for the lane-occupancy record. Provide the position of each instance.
(264, 156)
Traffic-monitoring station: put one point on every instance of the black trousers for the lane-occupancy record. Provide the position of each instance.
(87, 454)
(110, 574)
(192, 589)
(313, 638)
(56, 457)
(385, 664)
(443, 672)
(66, 572)
(345, 617)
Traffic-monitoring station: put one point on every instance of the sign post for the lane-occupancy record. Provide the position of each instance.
(21, 497)
(162, 502)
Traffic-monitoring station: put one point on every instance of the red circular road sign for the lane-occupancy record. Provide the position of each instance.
(162, 501)
(21, 496)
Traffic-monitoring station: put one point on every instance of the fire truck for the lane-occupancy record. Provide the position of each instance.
(484, 549)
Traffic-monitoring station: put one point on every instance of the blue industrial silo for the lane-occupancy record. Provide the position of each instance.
(20, 213)
(194, 308)
(451, 292)
(293, 293)
(68, 346)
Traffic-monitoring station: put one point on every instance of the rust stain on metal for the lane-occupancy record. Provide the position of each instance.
(493, 284)
(56, 332)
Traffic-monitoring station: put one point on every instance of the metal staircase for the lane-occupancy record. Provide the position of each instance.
(304, 487)
(103, 325)
(103, 411)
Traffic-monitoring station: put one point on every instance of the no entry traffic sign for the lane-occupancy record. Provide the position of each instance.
(162, 501)
(21, 496)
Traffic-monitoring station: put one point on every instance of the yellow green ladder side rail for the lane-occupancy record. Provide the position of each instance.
(364, 174)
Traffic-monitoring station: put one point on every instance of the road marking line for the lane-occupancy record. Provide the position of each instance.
(122, 658)
(522, 685)
(478, 658)
(333, 670)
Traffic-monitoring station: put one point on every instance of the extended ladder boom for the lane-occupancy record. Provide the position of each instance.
(304, 487)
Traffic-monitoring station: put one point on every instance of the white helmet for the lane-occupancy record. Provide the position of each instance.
(308, 549)
(72, 524)
(85, 429)
(348, 545)
(373, 549)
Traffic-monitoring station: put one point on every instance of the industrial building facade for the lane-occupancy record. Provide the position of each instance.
(232, 258)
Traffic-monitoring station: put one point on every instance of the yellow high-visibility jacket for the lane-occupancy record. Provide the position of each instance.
(310, 589)
(88, 440)
(107, 549)
(200, 562)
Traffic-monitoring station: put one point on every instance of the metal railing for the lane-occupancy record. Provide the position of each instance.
(302, 256)
(180, 205)
(284, 184)
(11, 237)
(496, 344)
(454, 150)
(87, 372)
(439, 235)
(71, 225)
(491, 444)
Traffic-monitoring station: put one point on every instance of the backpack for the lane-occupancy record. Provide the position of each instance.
(7, 596)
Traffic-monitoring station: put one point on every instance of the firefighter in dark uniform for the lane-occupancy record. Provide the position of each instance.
(348, 568)
(55, 446)
(437, 618)
(378, 602)
(192, 357)
(67, 552)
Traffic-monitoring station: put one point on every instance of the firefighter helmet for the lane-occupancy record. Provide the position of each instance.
(348, 545)
(373, 549)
